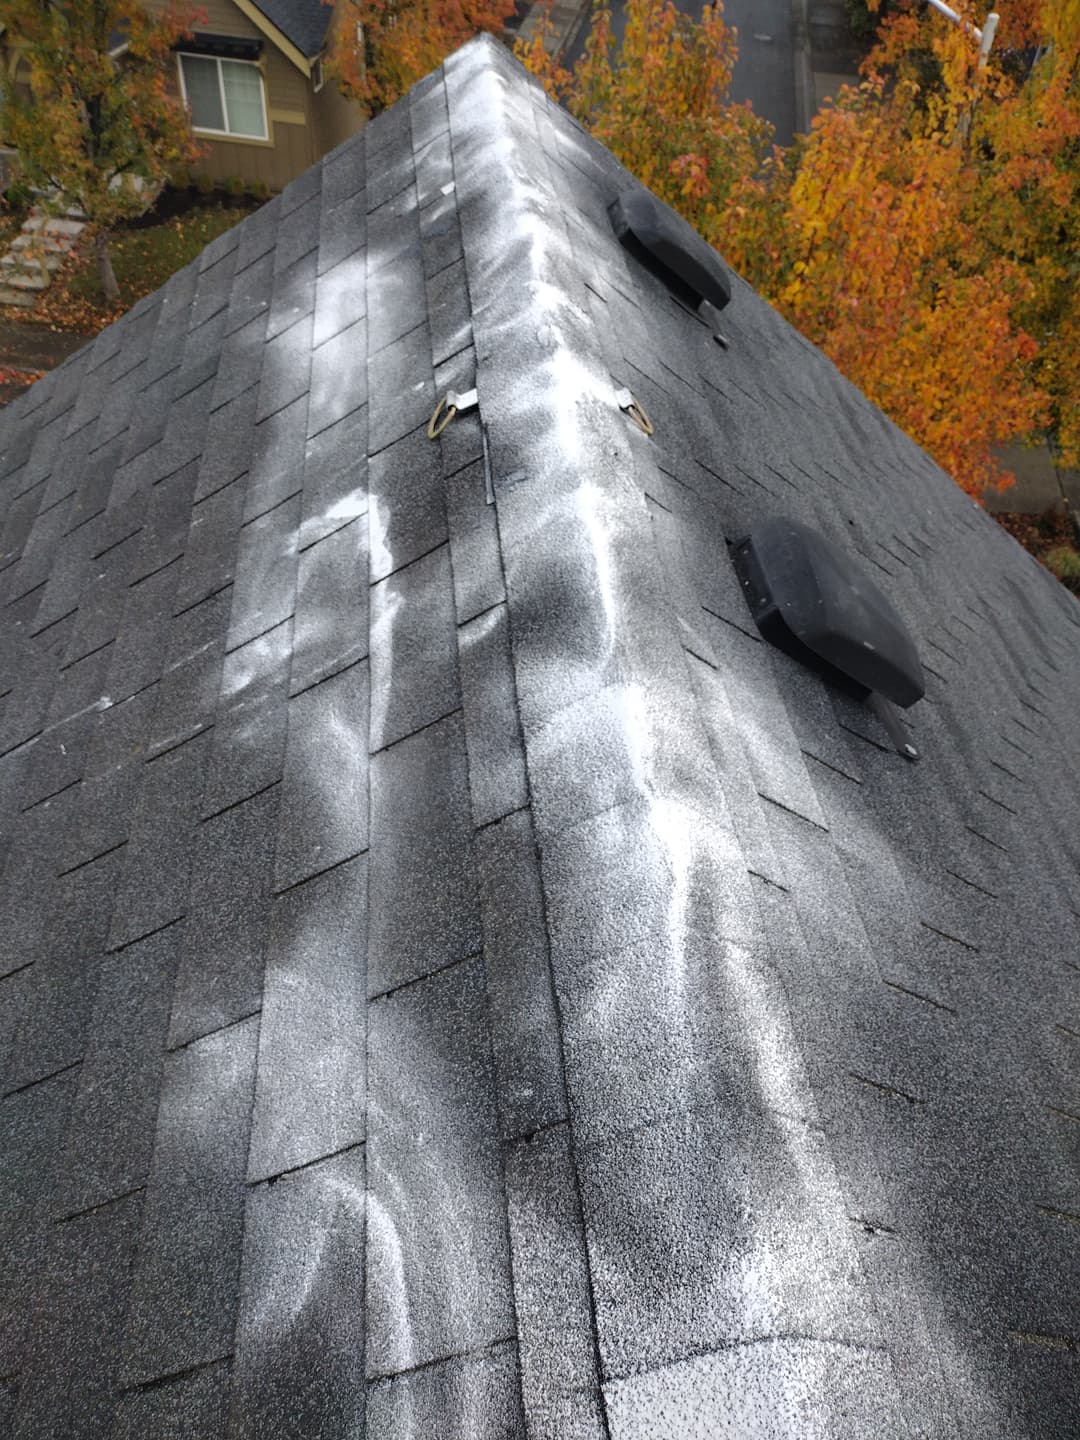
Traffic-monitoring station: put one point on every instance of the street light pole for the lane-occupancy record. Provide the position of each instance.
(986, 39)
(985, 36)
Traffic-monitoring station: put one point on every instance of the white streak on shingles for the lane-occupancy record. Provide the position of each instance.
(382, 557)
(480, 627)
(386, 602)
(270, 1315)
(589, 500)
(563, 397)
(384, 1242)
(669, 822)
(568, 391)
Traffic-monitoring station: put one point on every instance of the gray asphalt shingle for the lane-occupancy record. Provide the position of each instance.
(455, 977)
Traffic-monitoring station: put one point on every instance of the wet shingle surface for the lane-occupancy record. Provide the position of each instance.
(455, 978)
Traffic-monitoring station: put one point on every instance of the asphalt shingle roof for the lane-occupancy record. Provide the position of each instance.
(304, 22)
(457, 978)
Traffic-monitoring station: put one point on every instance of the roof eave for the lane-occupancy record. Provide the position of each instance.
(291, 52)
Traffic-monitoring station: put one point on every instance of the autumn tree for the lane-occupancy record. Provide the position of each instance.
(1026, 203)
(883, 234)
(885, 264)
(658, 101)
(381, 48)
(995, 154)
(103, 130)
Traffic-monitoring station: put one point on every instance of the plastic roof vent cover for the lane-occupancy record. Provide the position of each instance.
(665, 243)
(808, 599)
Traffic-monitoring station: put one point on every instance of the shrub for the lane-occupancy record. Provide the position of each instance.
(233, 186)
(19, 195)
(1064, 562)
(204, 184)
(259, 190)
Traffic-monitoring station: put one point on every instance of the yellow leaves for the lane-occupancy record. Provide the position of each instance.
(657, 99)
(935, 270)
(386, 46)
(89, 122)
(890, 271)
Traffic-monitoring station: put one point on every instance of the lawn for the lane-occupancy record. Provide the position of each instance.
(143, 259)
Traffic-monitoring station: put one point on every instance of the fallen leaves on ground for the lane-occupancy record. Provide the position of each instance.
(1054, 529)
(143, 259)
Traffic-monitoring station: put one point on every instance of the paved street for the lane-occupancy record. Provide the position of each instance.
(765, 72)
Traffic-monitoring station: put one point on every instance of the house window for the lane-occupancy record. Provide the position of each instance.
(316, 76)
(225, 96)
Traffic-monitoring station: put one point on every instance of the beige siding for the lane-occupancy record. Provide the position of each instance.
(334, 117)
(222, 18)
(275, 165)
(302, 125)
(291, 146)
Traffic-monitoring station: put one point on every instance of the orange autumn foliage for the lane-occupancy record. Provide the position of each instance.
(658, 102)
(883, 269)
(1027, 207)
(104, 130)
(380, 48)
(924, 233)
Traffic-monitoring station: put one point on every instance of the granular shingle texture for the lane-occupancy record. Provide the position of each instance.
(455, 978)
(304, 22)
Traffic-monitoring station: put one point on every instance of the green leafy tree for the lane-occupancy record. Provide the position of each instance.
(103, 130)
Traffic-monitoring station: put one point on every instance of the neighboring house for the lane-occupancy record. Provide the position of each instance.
(459, 980)
(254, 82)
(253, 79)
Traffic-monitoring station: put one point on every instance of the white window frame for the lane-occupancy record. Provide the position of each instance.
(316, 75)
(225, 134)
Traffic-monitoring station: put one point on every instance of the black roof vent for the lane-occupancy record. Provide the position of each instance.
(808, 600)
(672, 249)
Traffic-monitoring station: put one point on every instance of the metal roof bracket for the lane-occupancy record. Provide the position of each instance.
(452, 404)
(635, 410)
